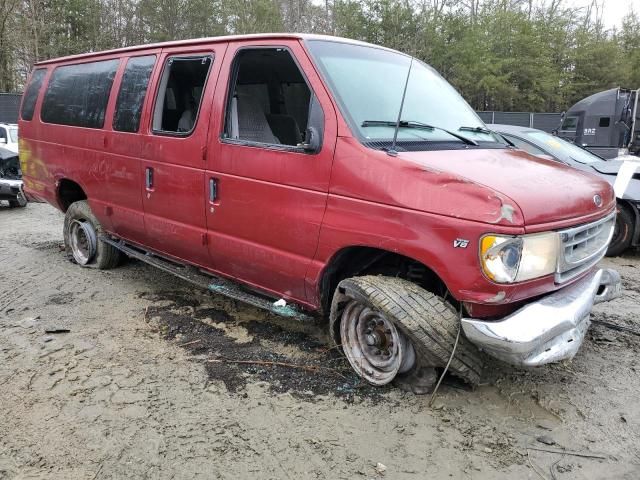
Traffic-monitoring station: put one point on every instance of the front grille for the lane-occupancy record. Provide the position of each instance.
(583, 246)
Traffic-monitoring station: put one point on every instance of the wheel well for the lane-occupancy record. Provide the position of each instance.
(354, 261)
(69, 192)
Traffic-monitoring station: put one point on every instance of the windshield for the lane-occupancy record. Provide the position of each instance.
(368, 83)
(562, 148)
(13, 135)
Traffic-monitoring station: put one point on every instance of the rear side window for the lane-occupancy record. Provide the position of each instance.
(180, 94)
(77, 95)
(133, 90)
(31, 94)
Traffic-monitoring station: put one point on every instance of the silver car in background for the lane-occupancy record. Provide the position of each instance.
(622, 172)
(11, 189)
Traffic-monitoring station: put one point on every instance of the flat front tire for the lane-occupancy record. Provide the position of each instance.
(81, 239)
(389, 327)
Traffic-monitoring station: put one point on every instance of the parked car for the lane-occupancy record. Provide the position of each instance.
(621, 172)
(11, 179)
(9, 136)
(330, 175)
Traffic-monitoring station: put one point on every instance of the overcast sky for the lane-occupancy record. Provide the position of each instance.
(614, 10)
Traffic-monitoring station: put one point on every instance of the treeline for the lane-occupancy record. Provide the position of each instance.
(516, 55)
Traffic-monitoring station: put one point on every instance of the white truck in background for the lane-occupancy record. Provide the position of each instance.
(9, 136)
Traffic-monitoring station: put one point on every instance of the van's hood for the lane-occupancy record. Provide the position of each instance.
(543, 190)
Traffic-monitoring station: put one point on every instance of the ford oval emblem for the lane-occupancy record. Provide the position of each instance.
(597, 199)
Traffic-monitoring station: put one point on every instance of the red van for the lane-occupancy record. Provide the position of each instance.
(317, 174)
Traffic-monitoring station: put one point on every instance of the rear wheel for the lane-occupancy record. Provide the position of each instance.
(392, 329)
(622, 232)
(81, 239)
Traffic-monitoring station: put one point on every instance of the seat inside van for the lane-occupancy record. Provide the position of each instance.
(270, 98)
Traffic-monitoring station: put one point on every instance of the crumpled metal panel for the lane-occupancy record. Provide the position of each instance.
(548, 330)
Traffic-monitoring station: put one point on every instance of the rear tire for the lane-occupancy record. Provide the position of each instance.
(81, 239)
(429, 323)
(623, 231)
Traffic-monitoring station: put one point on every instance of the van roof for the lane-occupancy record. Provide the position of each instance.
(200, 41)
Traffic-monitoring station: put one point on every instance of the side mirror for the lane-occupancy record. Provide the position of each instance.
(3, 140)
(313, 135)
(312, 140)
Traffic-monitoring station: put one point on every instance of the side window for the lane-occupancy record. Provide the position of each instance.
(570, 124)
(31, 94)
(133, 90)
(270, 101)
(180, 94)
(77, 95)
(604, 122)
(526, 146)
(3, 135)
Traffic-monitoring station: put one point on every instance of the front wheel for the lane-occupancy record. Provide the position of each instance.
(622, 232)
(19, 202)
(81, 239)
(390, 328)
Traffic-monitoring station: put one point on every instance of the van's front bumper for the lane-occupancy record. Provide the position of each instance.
(549, 329)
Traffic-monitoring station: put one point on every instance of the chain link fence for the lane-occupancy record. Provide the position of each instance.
(9, 105)
(541, 121)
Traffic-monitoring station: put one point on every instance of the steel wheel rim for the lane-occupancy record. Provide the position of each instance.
(375, 348)
(83, 241)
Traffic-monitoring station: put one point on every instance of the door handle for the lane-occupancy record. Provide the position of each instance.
(148, 178)
(213, 189)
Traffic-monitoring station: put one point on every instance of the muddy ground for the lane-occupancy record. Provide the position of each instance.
(146, 384)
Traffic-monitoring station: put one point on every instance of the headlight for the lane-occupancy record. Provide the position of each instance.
(507, 259)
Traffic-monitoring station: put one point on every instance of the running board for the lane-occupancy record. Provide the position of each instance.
(213, 284)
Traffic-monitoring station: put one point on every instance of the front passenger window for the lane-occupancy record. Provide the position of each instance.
(269, 100)
(180, 94)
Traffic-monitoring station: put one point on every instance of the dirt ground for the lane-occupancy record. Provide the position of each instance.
(146, 384)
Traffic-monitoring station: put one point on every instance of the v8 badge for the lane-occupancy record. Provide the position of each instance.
(460, 243)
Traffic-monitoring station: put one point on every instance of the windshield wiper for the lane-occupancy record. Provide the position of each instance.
(416, 125)
(475, 129)
(509, 143)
